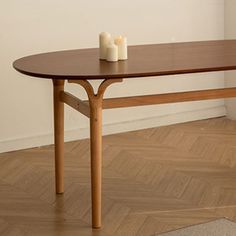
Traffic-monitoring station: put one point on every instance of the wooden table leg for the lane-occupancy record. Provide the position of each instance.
(95, 103)
(96, 160)
(58, 86)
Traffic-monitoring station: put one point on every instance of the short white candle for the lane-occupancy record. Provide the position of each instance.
(121, 42)
(112, 52)
(104, 41)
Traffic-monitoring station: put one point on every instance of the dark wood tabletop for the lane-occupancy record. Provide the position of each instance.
(144, 60)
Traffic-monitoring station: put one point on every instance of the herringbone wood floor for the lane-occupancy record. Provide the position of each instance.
(154, 180)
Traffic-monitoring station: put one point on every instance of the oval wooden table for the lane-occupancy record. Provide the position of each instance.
(82, 65)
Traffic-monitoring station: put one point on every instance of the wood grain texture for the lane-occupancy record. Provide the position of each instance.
(76, 103)
(144, 60)
(154, 180)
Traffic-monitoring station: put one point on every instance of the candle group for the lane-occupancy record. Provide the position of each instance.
(111, 49)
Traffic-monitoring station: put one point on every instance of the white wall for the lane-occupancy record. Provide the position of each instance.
(230, 33)
(29, 27)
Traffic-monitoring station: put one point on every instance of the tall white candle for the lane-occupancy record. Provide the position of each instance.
(121, 42)
(112, 52)
(104, 40)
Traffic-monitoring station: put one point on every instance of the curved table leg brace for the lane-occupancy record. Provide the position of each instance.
(95, 104)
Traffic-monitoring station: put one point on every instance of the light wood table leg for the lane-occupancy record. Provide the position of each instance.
(96, 160)
(58, 86)
(95, 103)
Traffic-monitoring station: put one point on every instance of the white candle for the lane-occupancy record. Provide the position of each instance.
(112, 52)
(104, 40)
(121, 42)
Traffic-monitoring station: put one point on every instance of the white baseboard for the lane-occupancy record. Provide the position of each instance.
(119, 127)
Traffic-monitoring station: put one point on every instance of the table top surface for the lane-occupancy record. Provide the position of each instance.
(144, 60)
